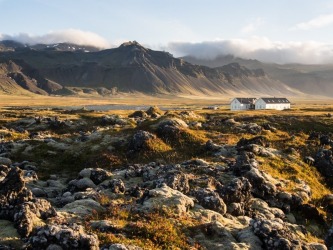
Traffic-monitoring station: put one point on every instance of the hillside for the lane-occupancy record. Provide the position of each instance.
(134, 68)
(311, 79)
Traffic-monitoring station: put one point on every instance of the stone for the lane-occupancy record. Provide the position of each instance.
(211, 146)
(140, 139)
(38, 192)
(166, 197)
(116, 186)
(210, 200)
(178, 181)
(238, 190)
(105, 226)
(261, 186)
(258, 140)
(5, 161)
(215, 235)
(83, 207)
(81, 184)
(65, 236)
(277, 234)
(324, 162)
(247, 236)
(262, 210)
(18, 204)
(97, 175)
(154, 112)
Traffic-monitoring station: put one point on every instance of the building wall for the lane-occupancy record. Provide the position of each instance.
(236, 105)
(260, 104)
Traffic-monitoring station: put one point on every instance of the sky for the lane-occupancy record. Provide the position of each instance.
(283, 31)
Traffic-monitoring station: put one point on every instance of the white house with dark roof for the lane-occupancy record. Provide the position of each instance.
(243, 103)
(272, 103)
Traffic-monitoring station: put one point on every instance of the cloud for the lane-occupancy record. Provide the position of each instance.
(252, 26)
(259, 48)
(315, 23)
(75, 36)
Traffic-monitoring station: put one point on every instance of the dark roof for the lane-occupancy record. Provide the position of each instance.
(246, 100)
(275, 100)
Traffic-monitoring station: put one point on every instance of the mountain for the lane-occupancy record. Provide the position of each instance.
(311, 79)
(10, 45)
(134, 68)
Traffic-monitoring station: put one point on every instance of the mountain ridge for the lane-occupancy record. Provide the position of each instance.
(313, 79)
(134, 68)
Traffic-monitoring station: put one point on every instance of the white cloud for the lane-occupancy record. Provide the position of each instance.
(315, 23)
(75, 36)
(259, 48)
(252, 26)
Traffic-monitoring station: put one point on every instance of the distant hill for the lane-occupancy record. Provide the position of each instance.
(131, 68)
(311, 79)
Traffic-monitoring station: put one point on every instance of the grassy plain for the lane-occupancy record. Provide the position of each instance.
(300, 104)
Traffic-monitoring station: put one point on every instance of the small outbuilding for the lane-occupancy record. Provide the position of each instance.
(272, 103)
(243, 103)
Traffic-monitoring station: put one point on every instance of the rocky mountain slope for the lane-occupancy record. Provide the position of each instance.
(133, 68)
(311, 79)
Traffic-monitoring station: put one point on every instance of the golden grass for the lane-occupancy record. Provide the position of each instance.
(283, 168)
(156, 230)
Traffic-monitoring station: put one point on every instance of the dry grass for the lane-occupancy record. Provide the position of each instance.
(156, 230)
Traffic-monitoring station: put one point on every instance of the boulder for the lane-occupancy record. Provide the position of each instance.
(105, 226)
(83, 207)
(267, 126)
(247, 236)
(113, 120)
(276, 234)
(209, 199)
(166, 197)
(178, 181)
(325, 140)
(80, 184)
(251, 128)
(154, 112)
(324, 162)
(236, 195)
(119, 246)
(211, 146)
(258, 140)
(97, 175)
(215, 235)
(140, 139)
(18, 204)
(238, 191)
(262, 210)
(116, 186)
(174, 122)
(171, 128)
(5, 161)
(261, 186)
(63, 237)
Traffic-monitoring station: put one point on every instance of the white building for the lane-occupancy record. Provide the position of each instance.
(272, 103)
(242, 103)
